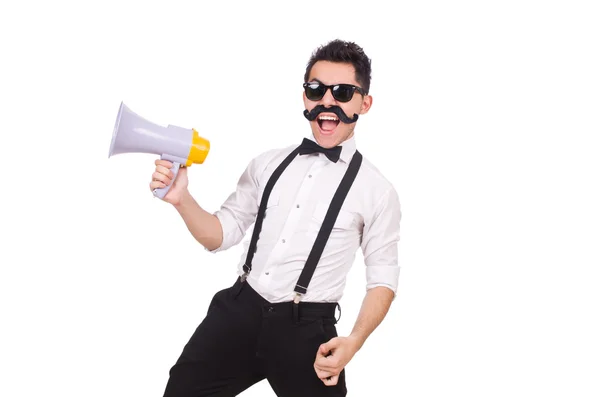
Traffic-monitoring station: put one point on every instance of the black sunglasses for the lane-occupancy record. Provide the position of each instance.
(341, 92)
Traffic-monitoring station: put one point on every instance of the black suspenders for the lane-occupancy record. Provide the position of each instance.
(263, 207)
(326, 227)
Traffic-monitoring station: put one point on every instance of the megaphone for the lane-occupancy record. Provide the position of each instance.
(134, 134)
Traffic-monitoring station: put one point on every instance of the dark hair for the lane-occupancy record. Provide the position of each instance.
(344, 52)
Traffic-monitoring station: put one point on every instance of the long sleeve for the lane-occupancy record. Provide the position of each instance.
(379, 245)
(239, 210)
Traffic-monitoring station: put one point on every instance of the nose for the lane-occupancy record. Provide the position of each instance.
(328, 99)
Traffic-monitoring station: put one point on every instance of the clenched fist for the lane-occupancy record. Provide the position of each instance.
(163, 176)
(332, 357)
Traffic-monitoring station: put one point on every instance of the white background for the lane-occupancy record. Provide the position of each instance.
(485, 118)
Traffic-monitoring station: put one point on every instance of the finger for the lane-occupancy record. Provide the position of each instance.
(324, 374)
(326, 348)
(157, 176)
(323, 351)
(324, 363)
(156, 185)
(331, 381)
(164, 163)
(165, 171)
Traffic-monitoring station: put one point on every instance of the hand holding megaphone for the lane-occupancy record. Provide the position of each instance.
(163, 177)
(181, 147)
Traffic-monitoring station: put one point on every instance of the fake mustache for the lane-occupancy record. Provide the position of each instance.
(312, 115)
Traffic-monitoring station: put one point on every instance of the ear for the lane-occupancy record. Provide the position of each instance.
(366, 104)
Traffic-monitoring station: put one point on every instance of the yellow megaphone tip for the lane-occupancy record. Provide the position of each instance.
(199, 149)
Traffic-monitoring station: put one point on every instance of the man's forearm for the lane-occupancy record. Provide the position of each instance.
(372, 312)
(204, 226)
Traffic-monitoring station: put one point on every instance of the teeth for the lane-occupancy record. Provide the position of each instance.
(328, 118)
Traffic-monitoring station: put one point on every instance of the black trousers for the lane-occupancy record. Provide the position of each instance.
(244, 339)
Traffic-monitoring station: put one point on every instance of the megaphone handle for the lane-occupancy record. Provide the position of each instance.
(161, 192)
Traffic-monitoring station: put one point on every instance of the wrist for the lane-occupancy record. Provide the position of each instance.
(356, 340)
(184, 201)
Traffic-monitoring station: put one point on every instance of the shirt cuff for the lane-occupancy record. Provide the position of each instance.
(383, 276)
(227, 224)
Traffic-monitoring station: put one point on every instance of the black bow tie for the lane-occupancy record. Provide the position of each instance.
(309, 146)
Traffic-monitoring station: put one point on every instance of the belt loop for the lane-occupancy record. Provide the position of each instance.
(340, 308)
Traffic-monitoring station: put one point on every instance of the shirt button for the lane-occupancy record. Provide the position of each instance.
(267, 273)
(310, 176)
(283, 240)
(297, 205)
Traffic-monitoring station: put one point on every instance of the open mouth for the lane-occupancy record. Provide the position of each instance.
(327, 123)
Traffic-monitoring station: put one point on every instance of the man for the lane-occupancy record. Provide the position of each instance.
(277, 322)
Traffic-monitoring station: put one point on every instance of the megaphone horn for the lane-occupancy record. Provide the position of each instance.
(134, 134)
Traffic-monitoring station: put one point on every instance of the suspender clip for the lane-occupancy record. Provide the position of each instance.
(297, 298)
(295, 307)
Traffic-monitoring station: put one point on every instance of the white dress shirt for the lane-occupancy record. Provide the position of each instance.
(369, 219)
